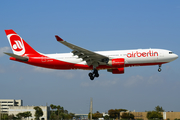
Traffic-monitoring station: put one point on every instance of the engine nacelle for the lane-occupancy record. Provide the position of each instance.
(117, 63)
(116, 71)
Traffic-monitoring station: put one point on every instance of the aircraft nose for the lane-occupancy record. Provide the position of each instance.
(176, 56)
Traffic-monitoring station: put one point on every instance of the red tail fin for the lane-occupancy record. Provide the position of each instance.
(18, 45)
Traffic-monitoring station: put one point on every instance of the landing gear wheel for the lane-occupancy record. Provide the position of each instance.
(91, 76)
(97, 75)
(159, 68)
(94, 74)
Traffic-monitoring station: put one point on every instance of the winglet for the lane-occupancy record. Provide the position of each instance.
(58, 38)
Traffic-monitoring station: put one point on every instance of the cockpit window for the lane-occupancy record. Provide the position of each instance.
(170, 52)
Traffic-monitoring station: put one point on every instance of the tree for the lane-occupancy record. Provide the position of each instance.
(38, 112)
(97, 115)
(115, 113)
(27, 114)
(159, 109)
(24, 114)
(71, 115)
(58, 108)
(53, 114)
(19, 115)
(53, 106)
(58, 112)
(106, 117)
(11, 117)
(154, 115)
(127, 116)
(112, 113)
(4, 117)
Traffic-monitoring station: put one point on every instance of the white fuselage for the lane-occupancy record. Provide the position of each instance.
(134, 57)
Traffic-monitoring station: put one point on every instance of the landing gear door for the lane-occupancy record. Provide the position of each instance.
(43, 59)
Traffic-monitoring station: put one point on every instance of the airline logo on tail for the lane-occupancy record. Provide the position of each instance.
(16, 44)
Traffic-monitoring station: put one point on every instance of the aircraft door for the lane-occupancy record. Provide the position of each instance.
(43, 59)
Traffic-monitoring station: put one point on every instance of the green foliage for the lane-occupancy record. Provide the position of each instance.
(159, 109)
(52, 115)
(127, 116)
(19, 115)
(38, 112)
(115, 113)
(4, 116)
(106, 117)
(154, 115)
(58, 112)
(11, 117)
(97, 115)
(27, 114)
(24, 114)
(8, 117)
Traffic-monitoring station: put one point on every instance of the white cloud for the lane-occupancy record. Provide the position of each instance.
(3, 49)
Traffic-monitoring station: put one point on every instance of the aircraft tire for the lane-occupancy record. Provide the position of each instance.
(96, 75)
(159, 70)
(91, 76)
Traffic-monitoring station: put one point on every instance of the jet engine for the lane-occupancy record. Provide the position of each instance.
(116, 71)
(116, 63)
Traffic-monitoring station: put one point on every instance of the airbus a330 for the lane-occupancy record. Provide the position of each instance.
(80, 58)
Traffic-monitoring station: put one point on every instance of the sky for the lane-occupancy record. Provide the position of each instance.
(98, 26)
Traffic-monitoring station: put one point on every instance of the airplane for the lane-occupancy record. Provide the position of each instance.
(80, 58)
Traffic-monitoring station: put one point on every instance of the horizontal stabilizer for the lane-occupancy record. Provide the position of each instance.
(17, 56)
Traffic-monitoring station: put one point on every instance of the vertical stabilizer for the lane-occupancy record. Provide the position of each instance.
(18, 45)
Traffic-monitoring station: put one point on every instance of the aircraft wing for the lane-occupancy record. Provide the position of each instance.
(90, 57)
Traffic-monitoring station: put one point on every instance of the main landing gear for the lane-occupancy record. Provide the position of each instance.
(159, 69)
(93, 74)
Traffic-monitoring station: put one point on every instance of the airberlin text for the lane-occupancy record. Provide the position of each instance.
(142, 54)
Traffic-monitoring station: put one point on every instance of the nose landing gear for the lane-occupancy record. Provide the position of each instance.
(159, 69)
(93, 74)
